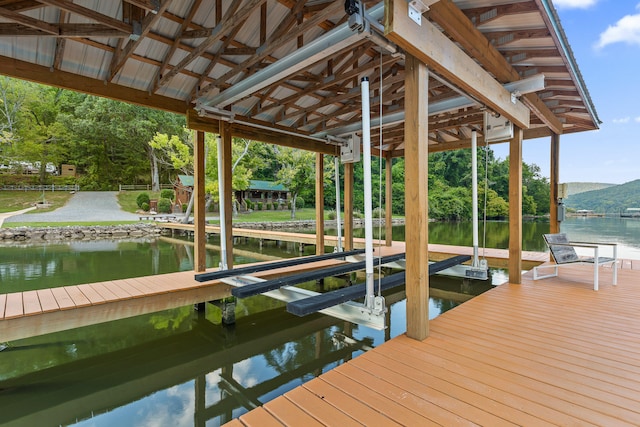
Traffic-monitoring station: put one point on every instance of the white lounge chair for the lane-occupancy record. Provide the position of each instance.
(563, 253)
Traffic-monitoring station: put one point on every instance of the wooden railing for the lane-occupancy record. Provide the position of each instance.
(52, 187)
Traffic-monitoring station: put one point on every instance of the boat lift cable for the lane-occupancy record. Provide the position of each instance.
(380, 181)
(336, 165)
(486, 190)
(223, 231)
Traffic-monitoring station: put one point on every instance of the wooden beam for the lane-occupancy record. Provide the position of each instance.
(348, 206)
(416, 197)
(62, 79)
(270, 136)
(455, 23)
(388, 187)
(554, 176)
(319, 203)
(200, 255)
(515, 207)
(77, 9)
(231, 19)
(28, 21)
(427, 43)
(120, 57)
(227, 159)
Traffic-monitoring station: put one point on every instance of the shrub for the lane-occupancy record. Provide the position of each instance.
(184, 207)
(145, 207)
(357, 214)
(259, 206)
(164, 205)
(299, 203)
(331, 215)
(249, 204)
(167, 194)
(377, 213)
(142, 198)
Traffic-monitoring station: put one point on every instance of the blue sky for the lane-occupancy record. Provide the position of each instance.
(605, 38)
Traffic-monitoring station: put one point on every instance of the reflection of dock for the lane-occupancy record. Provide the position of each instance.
(553, 352)
(111, 380)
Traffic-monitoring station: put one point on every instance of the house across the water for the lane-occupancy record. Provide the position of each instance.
(265, 192)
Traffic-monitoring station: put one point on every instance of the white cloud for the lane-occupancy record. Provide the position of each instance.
(574, 4)
(626, 30)
(637, 119)
(621, 120)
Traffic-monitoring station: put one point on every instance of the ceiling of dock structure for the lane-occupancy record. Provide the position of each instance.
(291, 69)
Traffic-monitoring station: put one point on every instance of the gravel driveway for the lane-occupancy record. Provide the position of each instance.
(83, 206)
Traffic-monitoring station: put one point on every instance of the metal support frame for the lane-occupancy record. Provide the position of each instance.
(340, 37)
(349, 311)
(221, 205)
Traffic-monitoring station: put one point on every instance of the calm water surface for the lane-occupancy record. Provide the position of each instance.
(182, 367)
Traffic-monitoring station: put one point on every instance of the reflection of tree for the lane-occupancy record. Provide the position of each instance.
(171, 319)
(289, 356)
(444, 304)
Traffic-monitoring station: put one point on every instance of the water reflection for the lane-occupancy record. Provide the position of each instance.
(174, 367)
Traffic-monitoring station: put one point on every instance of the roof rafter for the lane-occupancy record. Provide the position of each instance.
(273, 44)
(229, 21)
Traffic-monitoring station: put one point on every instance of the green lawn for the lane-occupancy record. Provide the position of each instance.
(127, 199)
(16, 200)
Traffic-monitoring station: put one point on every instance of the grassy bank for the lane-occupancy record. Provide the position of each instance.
(17, 200)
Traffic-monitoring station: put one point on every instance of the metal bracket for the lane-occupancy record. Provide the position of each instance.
(417, 8)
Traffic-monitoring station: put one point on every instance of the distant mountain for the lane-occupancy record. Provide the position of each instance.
(611, 199)
(581, 187)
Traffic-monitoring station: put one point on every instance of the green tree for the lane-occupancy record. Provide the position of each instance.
(297, 172)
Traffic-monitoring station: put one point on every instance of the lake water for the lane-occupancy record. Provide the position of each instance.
(183, 367)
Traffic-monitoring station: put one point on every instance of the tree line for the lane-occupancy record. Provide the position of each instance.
(112, 143)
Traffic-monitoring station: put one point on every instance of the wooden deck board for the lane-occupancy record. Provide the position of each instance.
(319, 409)
(79, 299)
(47, 300)
(260, 418)
(89, 291)
(549, 352)
(356, 409)
(289, 414)
(14, 306)
(106, 293)
(31, 303)
(63, 299)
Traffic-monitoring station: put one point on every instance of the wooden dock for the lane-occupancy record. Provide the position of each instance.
(550, 352)
(497, 258)
(31, 313)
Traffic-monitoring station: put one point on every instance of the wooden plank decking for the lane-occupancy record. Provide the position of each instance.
(550, 352)
(31, 313)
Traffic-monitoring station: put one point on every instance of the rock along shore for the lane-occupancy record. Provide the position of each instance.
(129, 231)
(85, 232)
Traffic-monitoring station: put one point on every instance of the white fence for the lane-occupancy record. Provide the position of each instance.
(52, 187)
(124, 187)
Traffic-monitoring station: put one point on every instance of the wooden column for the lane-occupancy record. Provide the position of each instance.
(348, 206)
(554, 176)
(388, 184)
(199, 239)
(227, 159)
(319, 203)
(416, 128)
(515, 207)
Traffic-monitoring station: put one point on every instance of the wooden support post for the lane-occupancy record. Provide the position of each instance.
(515, 207)
(388, 184)
(319, 203)
(554, 176)
(416, 130)
(348, 206)
(200, 260)
(227, 160)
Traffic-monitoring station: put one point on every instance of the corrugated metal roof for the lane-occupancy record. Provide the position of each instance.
(307, 100)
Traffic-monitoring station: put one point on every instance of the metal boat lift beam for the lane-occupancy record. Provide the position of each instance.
(340, 37)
